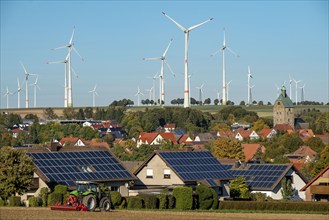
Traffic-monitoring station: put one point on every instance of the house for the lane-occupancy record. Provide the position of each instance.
(185, 139)
(266, 178)
(204, 137)
(303, 154)
(65, 165)
(305, 134)
(242, 134)
(267, 133)
(16, 131)
(169, 127)
(317, 189)
(155, 138)
(164, 169)
(250, 151)
(283, 109)
(324, 138)
(73, 141)
(225, 134)
(283, 128)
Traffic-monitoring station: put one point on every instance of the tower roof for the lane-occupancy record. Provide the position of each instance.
(284, 98)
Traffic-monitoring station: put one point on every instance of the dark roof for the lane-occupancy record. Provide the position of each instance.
(284, 98)
(262, 176)
(193, 166)
(68, 167)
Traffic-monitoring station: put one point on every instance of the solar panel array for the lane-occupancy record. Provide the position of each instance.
(260, 175)
(67, 167)
(196, 165)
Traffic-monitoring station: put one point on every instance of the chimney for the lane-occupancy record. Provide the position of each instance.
(188, 148)
(53, 146)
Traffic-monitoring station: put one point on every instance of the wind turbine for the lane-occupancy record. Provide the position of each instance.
(70, 47)
(290, 83)
(249, 87)
(7, 96)
(26, 85)
(200, 94)
(224, 47)
(138, 94)
(296, 81)
(227, 88)
(186, 33)
(65, 62)
(18, 93)
(35, 85)
(163, 61)
(153, 87)
(150, 92)
(302, 99)
(94, 93)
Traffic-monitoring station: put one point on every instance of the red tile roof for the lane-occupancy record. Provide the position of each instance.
(169, 136)
(148, 137)
(306, 151)
(283, 127)
(265, 132)
(72, 140)
(315, 178)
(250, 150)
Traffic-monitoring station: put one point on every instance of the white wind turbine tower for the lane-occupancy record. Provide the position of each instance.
(189, 85)
(154, 87)
(18, 93)
(200, 93)
(249, 87)
(70, 47)
(290, 84)
(296, 81)
(138, 94)
(302, 99)
(186, 33)
(163, 61)
(94, 93)
(35, 85)
(227, 89)
(7, 96)
(65, 62)
(26, 85)
(150, 91)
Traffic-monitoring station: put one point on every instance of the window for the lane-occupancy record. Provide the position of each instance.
(149, 173)
(166, 173)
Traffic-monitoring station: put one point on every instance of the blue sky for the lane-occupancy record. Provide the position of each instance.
(276, 38)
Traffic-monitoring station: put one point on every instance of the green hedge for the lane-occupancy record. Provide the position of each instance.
(163, 201)
(150, 201)
(215, 198)
(33, 202)
(14, 201)
(44, 195)
(54, 197)
(135, 202)
(183, 197)
(205, 197)
(116, 198)
(276, 205)
(2, 202)
(171, 201)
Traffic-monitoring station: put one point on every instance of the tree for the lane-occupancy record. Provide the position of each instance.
(216, 101)
(239, 188)
(291, 142)
(49, 114)
(227, 148)
(286, 188)
(69, 113)
(33, 117)
(219, 127)
(88, 133)
(260, 103)
(259, 125)
(242, 103)
(80, 115)
(315, 143)
(88, 112)
(207, 101)
(16, 169)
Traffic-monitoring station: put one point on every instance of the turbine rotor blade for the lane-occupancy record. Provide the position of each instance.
(75, 50)
(61, 47)
(71, 39)
(164, 54)
(166, 62)
(216, 52)
(229, 49)
(155, 58)
(195, 26)
(178, 25)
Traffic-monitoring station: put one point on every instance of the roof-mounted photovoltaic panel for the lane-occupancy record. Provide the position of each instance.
(67, 167)
(196, 165)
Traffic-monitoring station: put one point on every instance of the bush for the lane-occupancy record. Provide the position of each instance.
(14, 201)
(163, 201)
(54, 197)
(61, 189)
(183, 197)
(276, 205)
(124, 203)
(205, 197)
(150, 201)
(33, 202)
(2, 202)
(44, 195)
(215, 198)
(135, 202)
(116, 198)
(171, 201)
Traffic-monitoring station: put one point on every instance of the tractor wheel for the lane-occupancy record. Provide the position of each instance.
(90, 202)
(105, 205)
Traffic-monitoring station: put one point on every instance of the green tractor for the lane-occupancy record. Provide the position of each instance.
(89, 195)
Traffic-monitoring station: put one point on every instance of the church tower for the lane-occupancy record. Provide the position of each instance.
(283, 110)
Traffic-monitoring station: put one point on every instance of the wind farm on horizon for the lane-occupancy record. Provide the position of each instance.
(223, 86)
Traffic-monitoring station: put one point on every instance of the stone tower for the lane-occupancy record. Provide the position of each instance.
(284, 110)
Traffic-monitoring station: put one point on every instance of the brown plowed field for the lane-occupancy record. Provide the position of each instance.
(46, 213)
